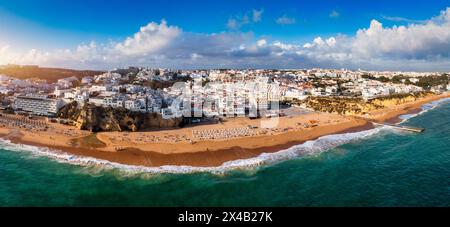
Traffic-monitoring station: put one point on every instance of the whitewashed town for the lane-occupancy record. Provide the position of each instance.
(146, 90)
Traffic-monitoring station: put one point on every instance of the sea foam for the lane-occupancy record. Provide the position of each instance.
(308, 148)
(311, 147)
(425, 108)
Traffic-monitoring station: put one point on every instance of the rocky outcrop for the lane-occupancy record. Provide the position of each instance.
(398, 99)
(97, 118)
(69, 111)
(357, 106)
(345, 106)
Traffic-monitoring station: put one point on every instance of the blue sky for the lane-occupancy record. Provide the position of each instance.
(50, 25)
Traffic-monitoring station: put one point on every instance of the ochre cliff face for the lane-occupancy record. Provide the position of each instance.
(356, 106)
(339, 106)
(96, 118)
(395, 101)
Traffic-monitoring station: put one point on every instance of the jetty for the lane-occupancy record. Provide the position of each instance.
(401, 127)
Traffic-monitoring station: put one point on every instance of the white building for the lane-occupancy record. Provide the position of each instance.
(293, 93)
(331, 90)
(82, 97)
(98, 101)
(59, 93)
(38, 105)
(99, 88)
(87, 80)
(67, 82)
(133, 105)
(167, 113)
(413, 80)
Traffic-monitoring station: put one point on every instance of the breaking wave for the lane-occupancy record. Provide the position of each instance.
(425, 108)
(312, 147)
(308, 148)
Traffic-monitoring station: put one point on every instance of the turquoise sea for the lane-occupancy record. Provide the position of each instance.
(386, 168)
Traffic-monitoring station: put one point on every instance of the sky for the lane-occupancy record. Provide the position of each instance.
(188, 34)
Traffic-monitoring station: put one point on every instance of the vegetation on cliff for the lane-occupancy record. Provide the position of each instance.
(425, 82)
(356, 106)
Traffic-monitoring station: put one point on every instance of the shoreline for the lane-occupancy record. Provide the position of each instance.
(228, 150)
(210, 158)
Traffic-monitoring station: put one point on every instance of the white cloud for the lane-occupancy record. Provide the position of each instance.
(4, 49)
(318, 41)
(257, 14)
(415, 41)
(284, 20)
(235, 23)
(331, 41)
(232, 24)
(261, 42)
(149, 39)
(424, 46)
(334, 14)
(420, 47)
(401, 19)
(195, 56)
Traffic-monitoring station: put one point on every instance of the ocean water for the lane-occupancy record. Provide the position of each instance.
(378, 167)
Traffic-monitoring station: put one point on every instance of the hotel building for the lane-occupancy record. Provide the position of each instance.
(38, 105)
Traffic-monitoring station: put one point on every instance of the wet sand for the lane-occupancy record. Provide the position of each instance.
(210, 152)
(397, 119)
(202, 153)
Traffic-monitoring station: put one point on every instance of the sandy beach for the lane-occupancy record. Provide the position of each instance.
(202, 145)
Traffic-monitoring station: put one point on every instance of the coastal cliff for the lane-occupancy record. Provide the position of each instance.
(357, 106)
(97, 118)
